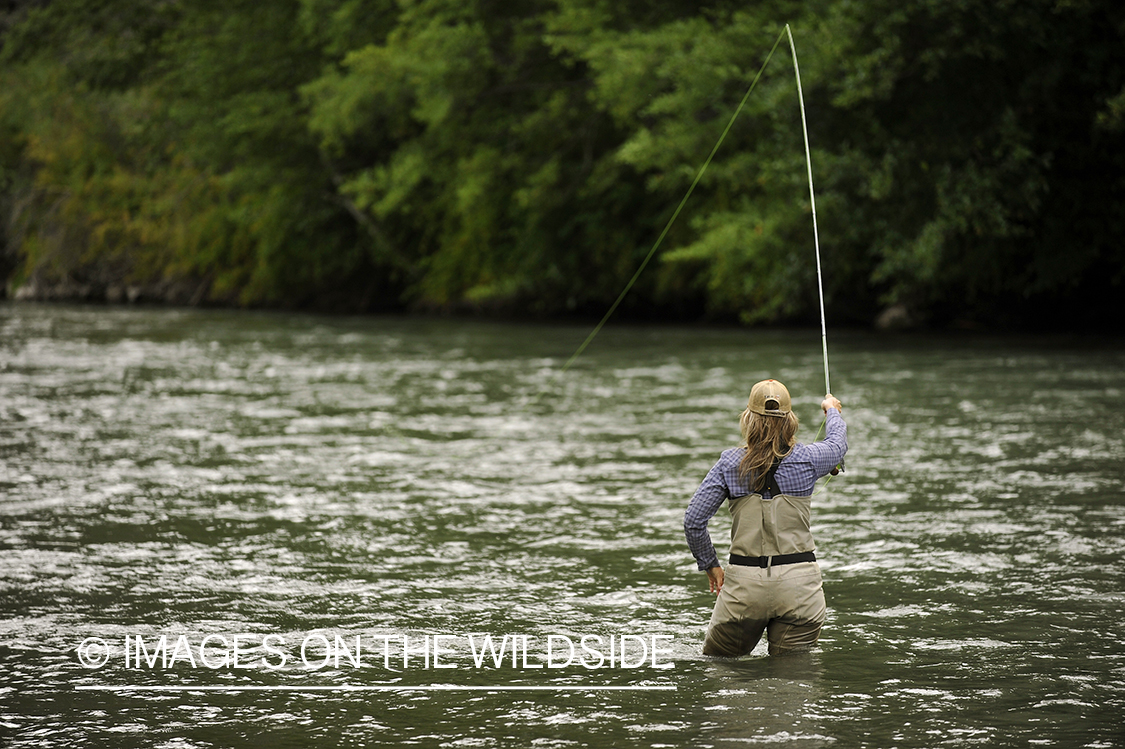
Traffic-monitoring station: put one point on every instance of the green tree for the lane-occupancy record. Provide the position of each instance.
(972, 173)
(472, 151)
(524, 156)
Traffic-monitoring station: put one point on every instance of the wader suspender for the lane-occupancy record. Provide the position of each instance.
(771, 479)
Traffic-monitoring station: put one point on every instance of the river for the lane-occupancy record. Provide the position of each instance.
(246, 484)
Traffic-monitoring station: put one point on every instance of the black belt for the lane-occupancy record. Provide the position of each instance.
(804, 556)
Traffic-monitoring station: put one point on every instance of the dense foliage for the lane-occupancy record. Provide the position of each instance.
(523, 155)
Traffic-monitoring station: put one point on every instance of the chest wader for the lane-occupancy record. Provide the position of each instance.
(773, 583)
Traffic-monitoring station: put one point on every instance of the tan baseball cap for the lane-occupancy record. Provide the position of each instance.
(769, 398)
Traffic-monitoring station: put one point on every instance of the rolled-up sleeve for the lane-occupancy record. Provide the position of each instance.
(703, 506)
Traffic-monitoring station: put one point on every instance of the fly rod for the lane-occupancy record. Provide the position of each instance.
(816, 233)
(812, 201)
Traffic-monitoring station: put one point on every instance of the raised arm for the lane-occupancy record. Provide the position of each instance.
(829, 453)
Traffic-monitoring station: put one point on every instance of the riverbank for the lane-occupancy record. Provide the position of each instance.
(180, 293)
(195, 293)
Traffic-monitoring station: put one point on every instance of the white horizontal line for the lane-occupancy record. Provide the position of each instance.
(376, 688)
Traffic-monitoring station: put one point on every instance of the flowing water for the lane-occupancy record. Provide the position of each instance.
(293, 479)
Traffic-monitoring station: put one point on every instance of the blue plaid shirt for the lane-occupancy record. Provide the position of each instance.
(796, 476)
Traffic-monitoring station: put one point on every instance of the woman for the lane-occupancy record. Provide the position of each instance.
(773, 583)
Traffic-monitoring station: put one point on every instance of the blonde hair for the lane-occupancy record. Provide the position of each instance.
(766, 439)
